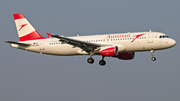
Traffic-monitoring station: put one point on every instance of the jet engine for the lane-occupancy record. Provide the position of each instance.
(126, 55)
(109, 51)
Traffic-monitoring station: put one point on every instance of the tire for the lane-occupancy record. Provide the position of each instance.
(90, 60)
(153, 59)
(102, 62)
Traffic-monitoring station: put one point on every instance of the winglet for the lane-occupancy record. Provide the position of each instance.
(48, 35)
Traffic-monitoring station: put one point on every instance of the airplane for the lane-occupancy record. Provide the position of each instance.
(120, 45)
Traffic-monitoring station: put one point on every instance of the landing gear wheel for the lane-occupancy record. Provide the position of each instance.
(90, 60)
(153, 59)
(102, 62)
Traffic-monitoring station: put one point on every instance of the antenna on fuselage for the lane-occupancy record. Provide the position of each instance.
(150, 31)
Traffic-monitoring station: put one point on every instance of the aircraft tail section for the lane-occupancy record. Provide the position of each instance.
(25, 30)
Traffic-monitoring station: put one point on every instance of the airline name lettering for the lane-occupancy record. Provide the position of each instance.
(118, 36)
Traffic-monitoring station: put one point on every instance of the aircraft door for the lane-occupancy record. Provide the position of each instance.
(150, 38)
(41, 45)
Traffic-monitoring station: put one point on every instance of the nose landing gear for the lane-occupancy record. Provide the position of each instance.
(153, 58)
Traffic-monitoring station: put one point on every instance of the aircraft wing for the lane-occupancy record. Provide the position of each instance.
(86, 46)
(22, 44)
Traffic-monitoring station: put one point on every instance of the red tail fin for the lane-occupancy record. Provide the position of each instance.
(25, 30)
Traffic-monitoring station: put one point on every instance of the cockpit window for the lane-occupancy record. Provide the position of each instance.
(163, 36)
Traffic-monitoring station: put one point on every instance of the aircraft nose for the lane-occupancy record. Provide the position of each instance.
(173, 42)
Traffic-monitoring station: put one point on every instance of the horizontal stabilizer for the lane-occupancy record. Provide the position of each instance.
(22, 44)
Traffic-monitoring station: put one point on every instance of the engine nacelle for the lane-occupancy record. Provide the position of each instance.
(126, 55)
(109, 51)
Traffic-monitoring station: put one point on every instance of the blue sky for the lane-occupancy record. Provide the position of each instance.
(27, 76)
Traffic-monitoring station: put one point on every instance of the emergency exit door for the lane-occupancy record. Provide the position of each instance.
(150, 38)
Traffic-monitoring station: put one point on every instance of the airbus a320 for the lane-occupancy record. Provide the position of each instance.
(120, 45)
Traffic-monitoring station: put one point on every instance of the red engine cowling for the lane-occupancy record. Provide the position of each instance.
(126, 55)
(109, 51)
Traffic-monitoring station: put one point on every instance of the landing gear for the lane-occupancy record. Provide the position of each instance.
(90, 60)
(153, 58)
(102, 62)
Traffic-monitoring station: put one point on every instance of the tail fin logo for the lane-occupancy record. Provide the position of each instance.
(21, 26)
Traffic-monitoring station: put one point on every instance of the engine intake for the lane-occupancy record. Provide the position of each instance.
(109, 51)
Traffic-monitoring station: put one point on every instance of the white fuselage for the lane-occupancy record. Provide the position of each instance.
(146, 41)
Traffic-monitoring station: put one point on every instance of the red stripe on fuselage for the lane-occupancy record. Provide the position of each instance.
(32, 36)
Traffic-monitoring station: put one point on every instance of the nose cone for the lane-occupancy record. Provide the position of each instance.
(172, 42)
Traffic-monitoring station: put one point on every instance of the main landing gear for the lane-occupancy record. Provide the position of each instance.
(153, 58)
(91, 60)
(102, 62)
